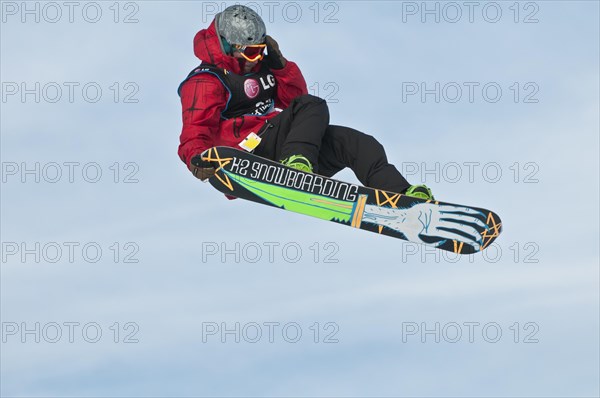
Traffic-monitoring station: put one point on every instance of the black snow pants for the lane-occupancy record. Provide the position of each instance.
(303, 129)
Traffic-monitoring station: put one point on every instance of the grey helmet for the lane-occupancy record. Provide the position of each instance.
(239, 24)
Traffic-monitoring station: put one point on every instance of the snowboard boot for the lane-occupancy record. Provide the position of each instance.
(298, 162)
(419, 191)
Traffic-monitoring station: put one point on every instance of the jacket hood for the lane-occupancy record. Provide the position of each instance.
(207, 47)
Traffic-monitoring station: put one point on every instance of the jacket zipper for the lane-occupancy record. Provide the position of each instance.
(264, 128)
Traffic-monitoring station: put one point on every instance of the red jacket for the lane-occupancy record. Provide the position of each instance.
(203, 97)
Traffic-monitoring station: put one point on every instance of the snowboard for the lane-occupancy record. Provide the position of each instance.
(446, 226)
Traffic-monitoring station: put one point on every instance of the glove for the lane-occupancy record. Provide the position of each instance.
(200, 168)
(274, 59)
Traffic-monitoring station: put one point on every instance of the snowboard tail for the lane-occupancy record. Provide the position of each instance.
(446, 226)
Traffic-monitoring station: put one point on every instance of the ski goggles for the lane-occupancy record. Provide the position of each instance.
(250, 52)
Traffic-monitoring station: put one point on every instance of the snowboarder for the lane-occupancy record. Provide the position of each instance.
(241, 97)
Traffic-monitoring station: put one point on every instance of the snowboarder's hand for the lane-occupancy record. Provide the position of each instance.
(201, 169)
(274, 59)
(202, 173)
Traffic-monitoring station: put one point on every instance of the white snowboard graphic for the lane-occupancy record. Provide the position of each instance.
(439, 223)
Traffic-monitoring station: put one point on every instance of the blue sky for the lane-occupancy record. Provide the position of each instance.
(542, 279)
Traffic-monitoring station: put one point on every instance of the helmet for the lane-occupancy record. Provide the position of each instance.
(239, 24)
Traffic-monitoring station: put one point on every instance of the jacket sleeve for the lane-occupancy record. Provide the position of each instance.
(290, 84)
(203, 98)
